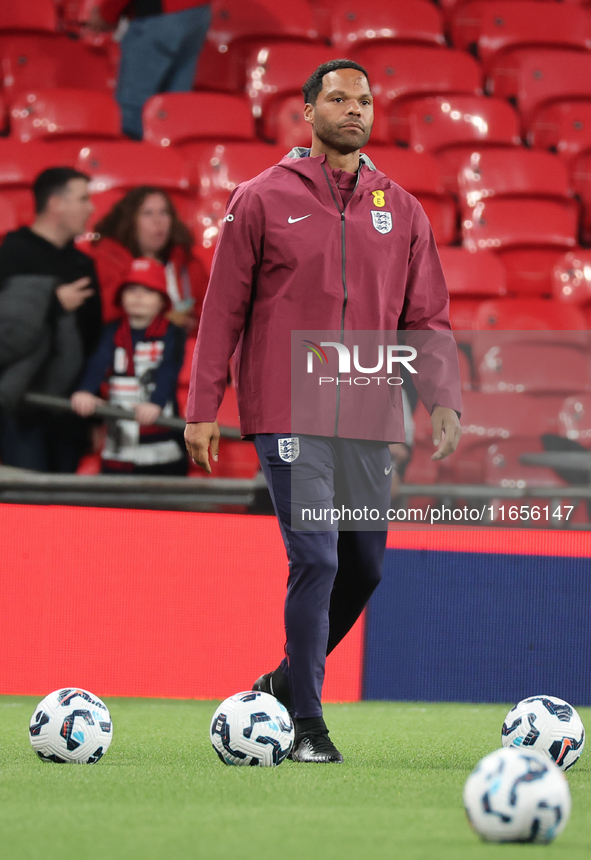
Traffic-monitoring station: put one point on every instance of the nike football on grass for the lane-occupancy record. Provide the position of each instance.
(312, 744)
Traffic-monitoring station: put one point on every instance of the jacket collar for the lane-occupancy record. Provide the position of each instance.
(304, 152)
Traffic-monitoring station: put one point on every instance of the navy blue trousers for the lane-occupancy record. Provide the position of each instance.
(334, 566)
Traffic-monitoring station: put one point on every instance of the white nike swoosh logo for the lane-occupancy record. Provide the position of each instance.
(291, 220)
(387, 471)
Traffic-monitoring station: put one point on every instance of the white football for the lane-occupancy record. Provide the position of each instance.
(71, 725)
(547, 724)
(252, 728)
(517, 796)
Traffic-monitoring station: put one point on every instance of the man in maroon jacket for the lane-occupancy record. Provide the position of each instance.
(322, 241)
(159, 49)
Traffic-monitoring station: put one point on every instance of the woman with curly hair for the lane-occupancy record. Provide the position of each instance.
(145, 223)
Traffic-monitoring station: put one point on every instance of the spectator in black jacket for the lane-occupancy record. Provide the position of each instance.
(50, 322)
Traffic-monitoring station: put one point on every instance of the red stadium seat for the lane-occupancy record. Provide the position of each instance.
(353, 22)
(19, 166)
(274, 72)
(512, 222)
(529, 270)
(581, 179)
(406, 71)
(28, 15)
(473, 275)
(125, 164)
(205, 220)
(53, 113)
(522, 367)
(237, 26)
(503, 172)
(529, 314)
(503, 468)
(420, 175)
(29, 62)
(433, 123)
(490, 28)
(535, 77)
(564, 127)
(571, 278)
(220, 168)
(502, 421)
(175, 118)
(292, 128)
(575, 419)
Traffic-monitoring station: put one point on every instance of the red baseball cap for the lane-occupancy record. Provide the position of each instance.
(148, 273)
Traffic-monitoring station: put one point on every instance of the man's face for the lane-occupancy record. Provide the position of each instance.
(343, 114)
(73, 207)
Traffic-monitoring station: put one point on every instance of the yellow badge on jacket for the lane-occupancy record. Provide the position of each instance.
(378, 198)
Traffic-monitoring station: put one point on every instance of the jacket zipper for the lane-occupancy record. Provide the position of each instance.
(344, 282)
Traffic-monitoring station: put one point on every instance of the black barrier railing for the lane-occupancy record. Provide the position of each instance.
(62, 404)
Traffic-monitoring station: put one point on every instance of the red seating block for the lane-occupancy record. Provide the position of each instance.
(564, 127)
(407, 71)
(491, 28)
(353, 22)
(513, 222)
(48, 113)
(535, 77)
(482, 174)
(29, 16)
(29, 62)
(176, 118)
(420, 175)
(433, 123)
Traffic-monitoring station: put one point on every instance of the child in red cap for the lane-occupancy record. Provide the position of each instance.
(140, 357)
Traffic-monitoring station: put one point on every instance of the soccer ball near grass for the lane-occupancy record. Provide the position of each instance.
(547, 724)
(71, 725)
(517, 795)
(252, 728)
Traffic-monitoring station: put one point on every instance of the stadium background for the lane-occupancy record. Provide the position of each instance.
(484, 112)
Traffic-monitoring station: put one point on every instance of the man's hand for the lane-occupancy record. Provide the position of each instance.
(84, 403)
(199, 438)
(96, 23)
(446, 431)
(71, 296)
(146, 413)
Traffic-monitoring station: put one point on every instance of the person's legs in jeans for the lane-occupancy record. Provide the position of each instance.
(158, 54)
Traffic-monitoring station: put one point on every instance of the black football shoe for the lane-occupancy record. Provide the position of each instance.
(312, 743)
(277, 685)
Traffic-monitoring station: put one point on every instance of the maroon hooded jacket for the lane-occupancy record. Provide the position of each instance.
(290, 258)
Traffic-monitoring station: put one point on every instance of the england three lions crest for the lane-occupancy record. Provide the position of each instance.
(382, 221)
(289, 448)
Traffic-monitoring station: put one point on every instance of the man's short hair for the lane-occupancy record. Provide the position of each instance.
(314, 83)
(53, 181)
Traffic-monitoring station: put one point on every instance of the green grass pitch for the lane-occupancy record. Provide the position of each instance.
(161, 793)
